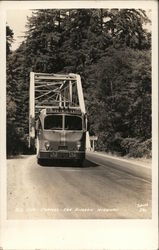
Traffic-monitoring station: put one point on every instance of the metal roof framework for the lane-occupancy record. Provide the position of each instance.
(53, 90)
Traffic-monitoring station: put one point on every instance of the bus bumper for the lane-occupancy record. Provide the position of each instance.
(61, 155)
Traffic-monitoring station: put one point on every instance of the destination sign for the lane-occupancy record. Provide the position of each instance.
(63, 110)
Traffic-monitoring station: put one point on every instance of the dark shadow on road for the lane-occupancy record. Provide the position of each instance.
(11, 157)
(67, 163)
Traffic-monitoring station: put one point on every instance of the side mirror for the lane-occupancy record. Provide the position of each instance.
(37, 125)
(88, 126)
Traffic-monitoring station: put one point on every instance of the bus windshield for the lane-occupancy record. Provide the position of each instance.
(73, 122)
(53, 122)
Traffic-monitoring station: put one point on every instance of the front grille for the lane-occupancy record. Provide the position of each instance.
(62, 147)
(63, 155)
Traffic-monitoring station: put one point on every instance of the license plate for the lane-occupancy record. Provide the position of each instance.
(63, 155)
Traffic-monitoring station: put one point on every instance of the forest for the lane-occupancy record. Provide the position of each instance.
(111, 50)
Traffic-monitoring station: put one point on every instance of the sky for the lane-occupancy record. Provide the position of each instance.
(17, 19)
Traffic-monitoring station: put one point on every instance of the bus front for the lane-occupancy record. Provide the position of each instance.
(61, 135)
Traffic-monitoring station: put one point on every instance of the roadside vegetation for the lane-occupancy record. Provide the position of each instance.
(111, 51)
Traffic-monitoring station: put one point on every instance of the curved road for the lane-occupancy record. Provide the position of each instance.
(98, 190)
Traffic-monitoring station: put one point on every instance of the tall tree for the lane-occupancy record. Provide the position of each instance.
(110, 49)
(9, 39)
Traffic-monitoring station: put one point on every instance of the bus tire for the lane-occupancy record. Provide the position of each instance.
(40, 161)
(80, 163)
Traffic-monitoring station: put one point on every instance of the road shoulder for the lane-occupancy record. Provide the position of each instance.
(132, 167)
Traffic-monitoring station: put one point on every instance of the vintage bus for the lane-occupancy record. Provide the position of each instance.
(61, 134)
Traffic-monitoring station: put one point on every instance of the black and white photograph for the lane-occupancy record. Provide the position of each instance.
(80, 84)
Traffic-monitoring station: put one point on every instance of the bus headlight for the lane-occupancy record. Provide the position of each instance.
(78, 145)
(47, 145)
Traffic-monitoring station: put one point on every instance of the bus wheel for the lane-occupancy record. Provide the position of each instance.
(40, 161)
(80, 163)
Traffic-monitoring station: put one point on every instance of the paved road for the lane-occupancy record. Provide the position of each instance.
(62, 191)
